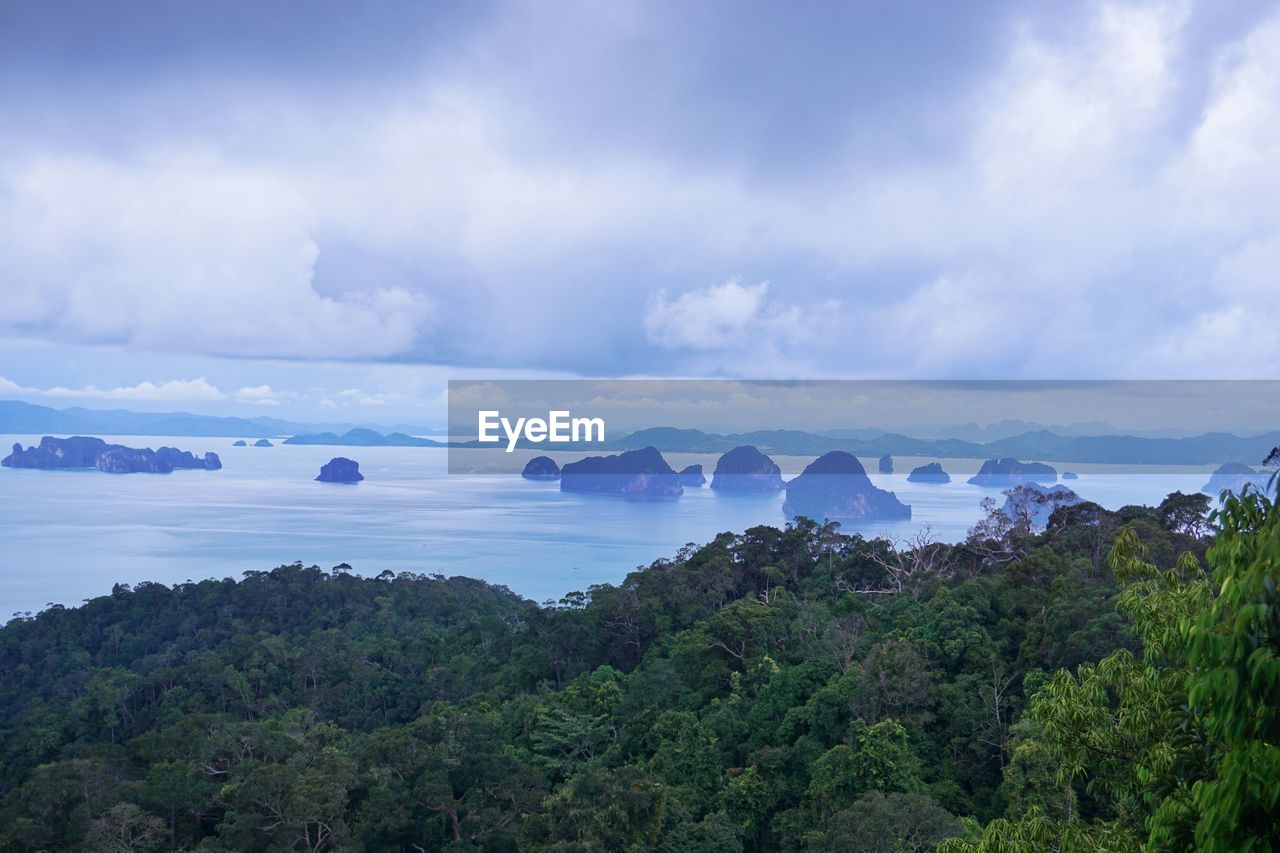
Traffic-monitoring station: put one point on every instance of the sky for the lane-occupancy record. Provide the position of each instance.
(323, 211)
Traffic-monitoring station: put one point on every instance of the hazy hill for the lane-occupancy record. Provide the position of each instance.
(1206, 449)
(20, 418)
(363, 438)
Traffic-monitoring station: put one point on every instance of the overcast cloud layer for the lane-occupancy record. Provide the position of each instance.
(658, 188)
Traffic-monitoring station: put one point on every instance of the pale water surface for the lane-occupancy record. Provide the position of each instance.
(70, 535)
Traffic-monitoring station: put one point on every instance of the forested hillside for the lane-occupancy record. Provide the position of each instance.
(1107, 683)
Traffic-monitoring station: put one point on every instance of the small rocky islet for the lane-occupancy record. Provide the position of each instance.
(541, 468)
(931, 473)
(835, 487)
(746, 469)
(340, 469)
(691, 476)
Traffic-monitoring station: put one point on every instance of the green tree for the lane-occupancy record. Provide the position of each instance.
(880, 759)
(1178, 747)
(886, 823)
(446, 776)
(1185, 513)
(125, 828)
(1233, 648)
(622, 809)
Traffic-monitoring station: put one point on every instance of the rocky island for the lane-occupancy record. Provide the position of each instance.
(635, 474)
(1070, 475)
(692, 476)
(886, 464)
(240, 443)
(746, 469)
(1233, 477)
(1009, 473)
(541, 468)
(340, 469)
(931, 473)
(836, 487)
(263, 442)
(86, 452)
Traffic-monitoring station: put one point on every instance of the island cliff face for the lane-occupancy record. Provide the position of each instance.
(746, 469)
(1233, 477)
(87, 452)
(692, 476)
(1009, 473)
(340, 469)
(541, 468)
(635, 473)
(886, 464)
(931, 473)
(836, 487)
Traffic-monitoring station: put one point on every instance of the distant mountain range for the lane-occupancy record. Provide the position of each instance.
(1207, 449)
(1011, 428)
(1210, 448)
(364, 438)
(21, 418)
(1036, 444)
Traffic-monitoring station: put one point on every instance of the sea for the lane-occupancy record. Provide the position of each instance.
(67, 536)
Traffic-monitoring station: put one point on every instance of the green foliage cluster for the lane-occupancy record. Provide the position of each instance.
(1177, 746)
(794, 689)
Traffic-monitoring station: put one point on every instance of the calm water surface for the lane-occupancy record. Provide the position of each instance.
(70, 535)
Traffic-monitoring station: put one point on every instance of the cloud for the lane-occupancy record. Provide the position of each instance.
(8, 386)
(1012, 192)
(1239, 135)
(172, 391)
(257, 392)
(260, 395)
(737, 329)
(1238, 323)
(184, 252)
(350, 396)
(721, 316)
(1059, 115)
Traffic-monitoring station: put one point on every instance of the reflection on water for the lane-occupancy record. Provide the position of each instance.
(69, 535)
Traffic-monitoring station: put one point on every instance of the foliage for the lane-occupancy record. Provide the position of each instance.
(1178, 746)
(793, 689)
